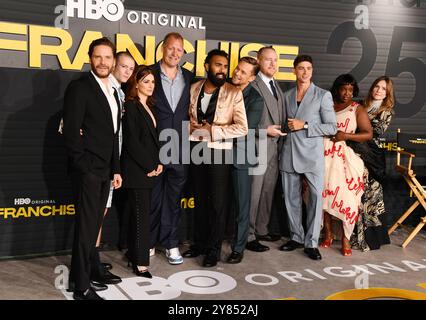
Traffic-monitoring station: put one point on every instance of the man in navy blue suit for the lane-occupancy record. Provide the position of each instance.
(172, 100)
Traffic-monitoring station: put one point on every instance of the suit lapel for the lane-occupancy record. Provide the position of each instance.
(280, 100)
(267, 96)
(160, 89)
(221, 96)
(100, 96)
(292, 108)
(305, 101)
(194, 97)
(149, 122)
(187, 83)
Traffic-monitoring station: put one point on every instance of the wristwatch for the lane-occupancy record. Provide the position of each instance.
(305, 126)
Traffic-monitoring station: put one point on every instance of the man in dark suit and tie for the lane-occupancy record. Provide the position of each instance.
(171, 95)
(263, 185)
(91, 105)
(245, 153)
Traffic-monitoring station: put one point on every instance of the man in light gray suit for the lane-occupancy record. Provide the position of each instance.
(263, 186)
(310, 117)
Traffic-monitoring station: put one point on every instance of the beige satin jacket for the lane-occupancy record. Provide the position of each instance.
(230, 120)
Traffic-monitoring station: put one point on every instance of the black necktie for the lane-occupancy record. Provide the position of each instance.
(117, 99)
(274, 91)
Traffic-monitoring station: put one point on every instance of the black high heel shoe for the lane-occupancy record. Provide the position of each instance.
(144, 274)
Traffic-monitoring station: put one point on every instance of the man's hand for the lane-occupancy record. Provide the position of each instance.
(295, 124)
(201, 130)
(207, 126)
(194, 126)
(159, 169)
(156, 172)
(116, 183)
(275, 131)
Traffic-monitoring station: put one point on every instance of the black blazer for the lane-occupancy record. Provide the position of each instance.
(87, 108)
(166, 118)
(254, 104)
(140, 153)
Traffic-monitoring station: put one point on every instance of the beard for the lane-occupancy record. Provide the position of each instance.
(217, 82)
(103, 75)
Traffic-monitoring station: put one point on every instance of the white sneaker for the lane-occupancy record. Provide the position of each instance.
(174, 256)
(152, 252)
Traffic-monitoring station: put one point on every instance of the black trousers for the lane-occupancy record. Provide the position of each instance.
(211, 184)
(241, 181)
(90, 197)
(123, 213)
(165, 206)
(139, 244)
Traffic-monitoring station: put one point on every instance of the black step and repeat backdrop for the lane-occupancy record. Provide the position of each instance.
(43, 46)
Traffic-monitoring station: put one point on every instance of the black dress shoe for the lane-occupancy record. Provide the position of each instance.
(97, 286)
(291, 245)
(256, 246)
(313, 253)
(144, 274)
(192, 252)
(269, 237)
(107, 278)
(235, 257)
(106, 266)
(89, 294)
(210, 260)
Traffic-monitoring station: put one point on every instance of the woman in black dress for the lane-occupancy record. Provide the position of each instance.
(140, 163)
(371, 231)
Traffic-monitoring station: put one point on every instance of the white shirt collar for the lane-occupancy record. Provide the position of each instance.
(108, 91)
(178, 67)
(114, 81)
(265, 78)
(103, 86)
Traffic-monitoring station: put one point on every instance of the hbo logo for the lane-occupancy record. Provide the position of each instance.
(21, 201)
(111, 10)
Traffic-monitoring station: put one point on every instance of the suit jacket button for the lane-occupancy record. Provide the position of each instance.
(200, 138)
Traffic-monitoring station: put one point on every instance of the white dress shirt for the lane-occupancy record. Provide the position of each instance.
(109, 94)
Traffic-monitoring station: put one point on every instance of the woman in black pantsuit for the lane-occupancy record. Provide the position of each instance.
(140, 163)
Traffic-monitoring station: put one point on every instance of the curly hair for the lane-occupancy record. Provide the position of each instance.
(342, 80)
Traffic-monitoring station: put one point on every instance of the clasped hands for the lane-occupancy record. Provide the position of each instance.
(202, 128)
(339, 136)
(293, 124)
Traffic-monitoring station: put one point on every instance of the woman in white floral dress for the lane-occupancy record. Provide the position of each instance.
(344, 169)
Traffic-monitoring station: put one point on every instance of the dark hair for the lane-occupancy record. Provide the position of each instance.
(253, 62)
(302, 57)
(388, 102)
(101, 42)
(215, 52)
(260, 51)
(124, 54)
(174, 35)
(341, 81)
(140, 73)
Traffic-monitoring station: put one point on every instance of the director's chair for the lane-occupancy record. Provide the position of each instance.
(411, 142)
